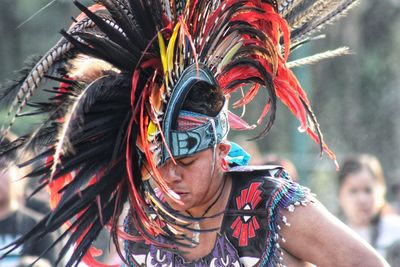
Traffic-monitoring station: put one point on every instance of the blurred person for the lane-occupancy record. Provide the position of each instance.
(362, 199)
(396, 197)
(273, 159)
(39, 201)
(393, 254)
(26, 261)
(15, 218)
(142, 118)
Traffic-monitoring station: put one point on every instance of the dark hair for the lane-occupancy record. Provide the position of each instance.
(6, 158)
(204, 99)
(360, 162)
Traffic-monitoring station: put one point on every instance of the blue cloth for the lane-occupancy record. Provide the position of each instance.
(237, 155)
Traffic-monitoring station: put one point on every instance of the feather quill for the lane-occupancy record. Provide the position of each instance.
(318, 57)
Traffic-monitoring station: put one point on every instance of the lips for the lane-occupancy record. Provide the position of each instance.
(181, 193)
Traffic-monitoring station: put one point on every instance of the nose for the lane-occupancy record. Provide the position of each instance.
(171, 173)
(364, 199)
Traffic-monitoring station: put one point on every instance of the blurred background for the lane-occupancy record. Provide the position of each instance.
(356, 98)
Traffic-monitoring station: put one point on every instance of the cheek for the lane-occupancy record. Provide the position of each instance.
(163, 170)
(370, 199)
(345, 196)
(348, 200)
(4, 186)
(199, 183)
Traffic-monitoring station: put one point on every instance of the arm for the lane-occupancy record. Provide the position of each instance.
(316, 236)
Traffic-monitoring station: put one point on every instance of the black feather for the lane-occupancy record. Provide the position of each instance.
(10, 90)
(101, 47)
(121, 13)
(112, 33)
(268, 84)
(141, 15)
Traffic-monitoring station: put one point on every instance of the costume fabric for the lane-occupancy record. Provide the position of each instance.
(249, 233)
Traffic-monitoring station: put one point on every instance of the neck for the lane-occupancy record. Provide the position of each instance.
(217, 203)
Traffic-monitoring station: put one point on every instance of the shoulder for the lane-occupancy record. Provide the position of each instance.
(264, 192)
(392, 221)
(25, 218)
(270, 174)
(22, 215)
(390, 225)
(275, 182)
(255, 169)
(390, 230)
(29, 213)
(313, 234)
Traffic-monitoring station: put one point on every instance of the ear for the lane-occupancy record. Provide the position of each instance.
(224, 148)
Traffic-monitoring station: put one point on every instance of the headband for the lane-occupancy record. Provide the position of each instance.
(181, 143)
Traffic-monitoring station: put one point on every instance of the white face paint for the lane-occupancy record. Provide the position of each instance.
(150, 259)
(141, 259)
(249, 261)
(225, 262)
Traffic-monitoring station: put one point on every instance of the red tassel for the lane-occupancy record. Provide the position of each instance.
(237, 123)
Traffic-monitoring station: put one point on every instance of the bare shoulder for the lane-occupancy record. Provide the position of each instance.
(314, 235)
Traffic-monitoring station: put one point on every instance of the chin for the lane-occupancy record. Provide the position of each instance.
(178, 207)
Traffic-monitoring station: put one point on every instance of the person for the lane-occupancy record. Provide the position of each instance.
(362, 198)
(142, 116)
(27, 260)
(16, 219)
(393, 255)
(37, 201)
(396, 197)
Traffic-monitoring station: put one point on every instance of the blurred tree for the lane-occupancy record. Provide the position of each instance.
(357, 96)
(25, 33)
(354, 97)
(10, 48)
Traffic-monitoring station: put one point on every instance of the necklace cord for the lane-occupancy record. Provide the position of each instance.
(214, 202)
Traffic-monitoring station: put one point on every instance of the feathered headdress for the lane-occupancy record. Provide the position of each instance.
(124, 68)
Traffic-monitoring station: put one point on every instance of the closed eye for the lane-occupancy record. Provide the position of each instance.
(186, 161)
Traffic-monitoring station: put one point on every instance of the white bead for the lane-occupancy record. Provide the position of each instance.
(291, 208)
